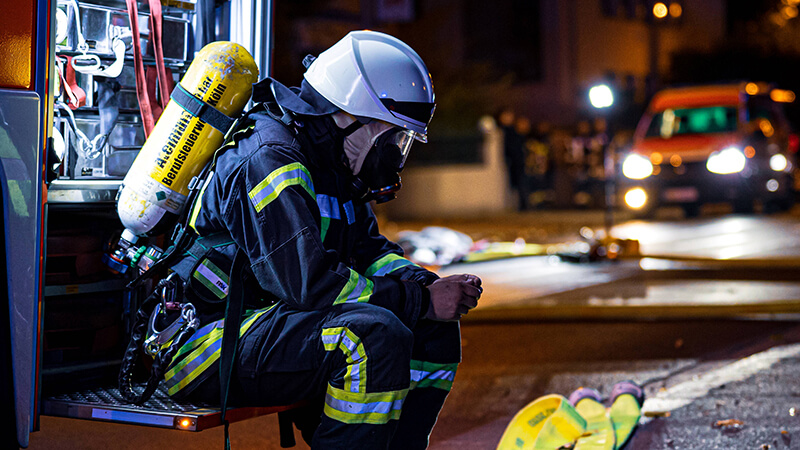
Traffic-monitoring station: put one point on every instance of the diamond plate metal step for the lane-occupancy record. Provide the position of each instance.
(106, 404)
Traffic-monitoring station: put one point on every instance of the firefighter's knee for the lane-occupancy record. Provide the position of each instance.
(375, 347)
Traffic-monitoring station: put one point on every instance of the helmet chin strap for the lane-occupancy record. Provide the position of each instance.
(350, 129)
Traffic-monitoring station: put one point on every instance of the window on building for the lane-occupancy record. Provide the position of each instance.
(506, 34)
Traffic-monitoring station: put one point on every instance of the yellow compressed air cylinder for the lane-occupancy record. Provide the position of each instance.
(155, 190)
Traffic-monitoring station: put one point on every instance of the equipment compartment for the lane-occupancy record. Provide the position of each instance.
(100, 24)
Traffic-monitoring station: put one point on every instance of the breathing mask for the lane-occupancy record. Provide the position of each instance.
(380, 172)
(376, 153)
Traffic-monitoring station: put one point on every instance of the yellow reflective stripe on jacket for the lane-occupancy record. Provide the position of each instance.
(235, 138)
(198, 202)
(212, 277)
(204, 349)
(427, 374)
(355, 380)
(270, 187)
(357, 290)
(386, 264)
(374, 408)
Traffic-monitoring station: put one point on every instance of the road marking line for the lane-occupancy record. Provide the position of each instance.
(685, 393)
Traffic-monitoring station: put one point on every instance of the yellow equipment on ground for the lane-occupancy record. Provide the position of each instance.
(583, 421)
(548, 422)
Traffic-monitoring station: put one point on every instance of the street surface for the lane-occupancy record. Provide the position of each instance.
(712, 291)
(507, 366)
(703, 281)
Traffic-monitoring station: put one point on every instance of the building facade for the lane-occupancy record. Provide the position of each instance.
(538, 57)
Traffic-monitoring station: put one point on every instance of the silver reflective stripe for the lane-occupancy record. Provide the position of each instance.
(335, 338)
(355, 376)
(330, 339)
(361, 284)
(357, 289)
(213, 278)
(418, 375)
(349, 344)
(289, 175)
(392, 266)
(362, 408)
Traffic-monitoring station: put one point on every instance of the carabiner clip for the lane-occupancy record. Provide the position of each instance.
(168, 291)
(156, 339)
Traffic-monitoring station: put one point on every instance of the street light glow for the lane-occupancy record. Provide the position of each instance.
(660, 10)
(773, 185)
(600, 96)
(778, 163)
(636, 198)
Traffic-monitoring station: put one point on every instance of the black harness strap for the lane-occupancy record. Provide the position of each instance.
(183, 236)
(230, 334)
(202, 110)
(203, 243)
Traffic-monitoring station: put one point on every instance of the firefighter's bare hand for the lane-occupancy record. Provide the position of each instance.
(453, 296)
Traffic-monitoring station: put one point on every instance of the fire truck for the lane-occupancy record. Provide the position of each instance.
(73, 78)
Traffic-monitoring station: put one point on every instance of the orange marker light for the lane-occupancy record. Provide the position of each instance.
(782, 96)
(751, 88)
(766, 128)
(656, 158)
(749, 151)
(675, 10)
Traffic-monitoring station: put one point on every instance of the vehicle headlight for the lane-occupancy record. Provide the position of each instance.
(778, 163)
(637, 167)
(726, 161)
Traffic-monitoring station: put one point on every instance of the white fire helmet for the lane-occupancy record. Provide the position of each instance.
(373, 75)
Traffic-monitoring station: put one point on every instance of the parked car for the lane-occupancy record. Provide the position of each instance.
(709, 144)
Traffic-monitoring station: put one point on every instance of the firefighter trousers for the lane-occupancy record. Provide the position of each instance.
(378, 384)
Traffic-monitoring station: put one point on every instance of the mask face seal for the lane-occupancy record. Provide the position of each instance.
(379, 177)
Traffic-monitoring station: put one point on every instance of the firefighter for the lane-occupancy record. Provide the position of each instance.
(335, 314)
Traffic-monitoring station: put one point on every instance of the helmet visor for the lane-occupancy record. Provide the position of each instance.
(411, 112)
(402, 139)
(419, 111)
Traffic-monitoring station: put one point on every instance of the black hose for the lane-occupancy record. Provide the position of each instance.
(131, 355)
